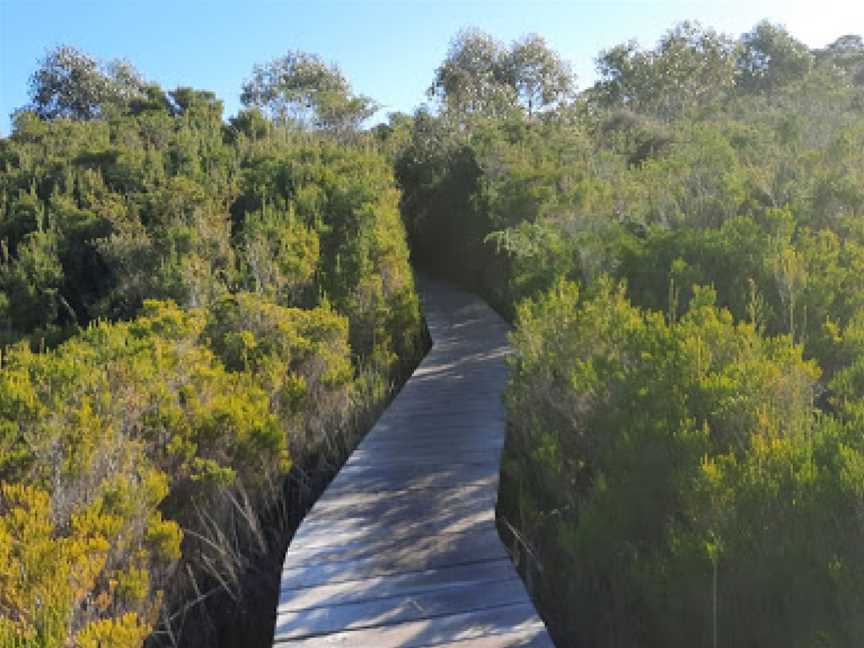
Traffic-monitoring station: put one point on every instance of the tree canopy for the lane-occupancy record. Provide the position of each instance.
(482, 77)
(770, 57)
(541, 78)
(301, 88)
(196, 320)
(70, 83)
(691, 67)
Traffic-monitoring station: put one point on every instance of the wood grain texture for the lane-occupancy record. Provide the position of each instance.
(401, 550)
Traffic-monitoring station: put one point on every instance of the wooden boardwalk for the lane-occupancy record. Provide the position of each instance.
(401, 550)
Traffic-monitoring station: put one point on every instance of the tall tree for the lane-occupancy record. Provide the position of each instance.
(301, 88)
(474, 79)
(770, 58)
(539, 75)
(691, 67)
(70, 83)
(845, 54)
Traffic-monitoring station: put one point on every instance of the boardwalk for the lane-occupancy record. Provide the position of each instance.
(401, 550)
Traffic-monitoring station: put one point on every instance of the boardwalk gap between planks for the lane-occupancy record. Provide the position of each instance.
(401, 550)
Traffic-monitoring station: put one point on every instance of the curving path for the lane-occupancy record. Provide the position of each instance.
(401, 550)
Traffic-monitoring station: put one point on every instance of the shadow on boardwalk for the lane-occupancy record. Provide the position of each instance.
(402, 550)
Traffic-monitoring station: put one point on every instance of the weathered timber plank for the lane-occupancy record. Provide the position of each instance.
(413, 505)
(329, 532)
(444, 630)
(461, 553)
(399, 609)
(402, 455)
(429, 426)
(534, 638)
(456, 468)
(347, 500)
(419, 545)
(455, 441)
(404, 478)
(376, 587)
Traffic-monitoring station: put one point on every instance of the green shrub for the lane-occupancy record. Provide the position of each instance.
(647, 458)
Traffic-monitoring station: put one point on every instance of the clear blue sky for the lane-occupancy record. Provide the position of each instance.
(387, 49)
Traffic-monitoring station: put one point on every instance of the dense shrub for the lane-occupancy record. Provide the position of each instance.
(129, 433)
(190, 312)
(700, 431)
(674, 471)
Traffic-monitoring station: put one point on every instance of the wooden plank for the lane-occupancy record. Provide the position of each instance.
(534, 638)
(442, 392)
(398, 609)
(405, 478)
(407, 523)
(456, 441)
(431, 426)
(353, 498)
(405, 584)
(413, 504)
(457, 469)
(371, 480)
(491, 444)
(422, 397)
(417, 545)
(444, 415)
(407, 436)
(402, 455)
(437, 404)
(444, 630)
(464, 549)
(328, 532)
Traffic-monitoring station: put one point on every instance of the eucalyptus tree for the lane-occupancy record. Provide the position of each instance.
(691, 67)
(538, 74)
(845, 55)
(481, 76)
(70, 83)
(474, 78)
(302, 89)
(771, 57)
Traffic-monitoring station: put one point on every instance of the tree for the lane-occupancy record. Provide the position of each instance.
(72, 84)
(770, 58)
(691, 67)
(620, 69)
(847, 55)
(474, 79)
(301, 88)
(538, 74)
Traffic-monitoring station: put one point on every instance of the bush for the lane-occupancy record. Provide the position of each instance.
(648, 458)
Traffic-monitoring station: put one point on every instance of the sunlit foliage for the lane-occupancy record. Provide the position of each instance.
(680, 247)
(189, 311)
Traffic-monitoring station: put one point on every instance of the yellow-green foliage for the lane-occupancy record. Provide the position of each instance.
(300, 357)
(56, 585)
(648, 456)
(341, 208)
(161, 201)
(149, 405)
(678, 435)
(122, 435)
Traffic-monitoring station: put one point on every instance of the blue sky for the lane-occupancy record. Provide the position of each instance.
(387, 49)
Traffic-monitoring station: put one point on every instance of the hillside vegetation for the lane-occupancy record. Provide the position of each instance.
(190, 311)
(681, 247)
(199, 317)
